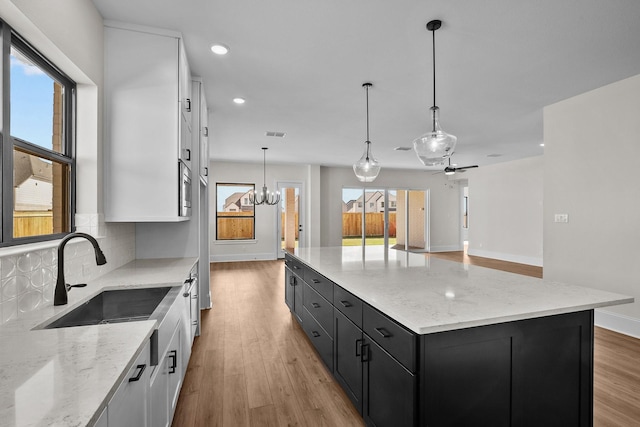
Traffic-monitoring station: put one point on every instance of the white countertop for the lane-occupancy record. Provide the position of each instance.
(429, 295)
(65, 377)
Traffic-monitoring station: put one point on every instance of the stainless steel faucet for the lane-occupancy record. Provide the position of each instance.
(60, 294)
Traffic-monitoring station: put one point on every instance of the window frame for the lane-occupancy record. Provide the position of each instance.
(9, 38)
(253, 217)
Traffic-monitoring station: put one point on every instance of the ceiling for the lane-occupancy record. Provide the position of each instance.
(300, 65)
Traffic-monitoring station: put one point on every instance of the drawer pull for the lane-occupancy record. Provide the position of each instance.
(316, 334)
(315, 305)
(295, 267)
(173, 354)
(315, 281)
(345, 303)
(384, 332)
(139, 375)
(358, 347)
(292, 281)
(365, 353)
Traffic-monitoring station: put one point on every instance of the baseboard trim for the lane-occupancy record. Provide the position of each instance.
(267, 256)
(617, 322)
(506, 257)
(451, 248)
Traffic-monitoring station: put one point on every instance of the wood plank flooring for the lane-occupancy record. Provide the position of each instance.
(254, 366)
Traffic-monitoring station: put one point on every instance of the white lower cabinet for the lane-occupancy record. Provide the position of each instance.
(166, 382)
(128, 406)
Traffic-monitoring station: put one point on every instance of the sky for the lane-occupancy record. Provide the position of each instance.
(31, 102)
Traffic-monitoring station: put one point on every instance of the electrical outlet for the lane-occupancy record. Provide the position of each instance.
(561, 218)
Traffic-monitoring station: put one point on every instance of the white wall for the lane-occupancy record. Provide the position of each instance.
(444, 202)
(265, 244)
(592, 147)
(505, 211)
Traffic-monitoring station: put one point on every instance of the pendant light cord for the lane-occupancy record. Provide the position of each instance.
(434, 65)
(264, 167)
(366, 87)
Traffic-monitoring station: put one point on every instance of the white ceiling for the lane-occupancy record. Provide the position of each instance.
(300, 65)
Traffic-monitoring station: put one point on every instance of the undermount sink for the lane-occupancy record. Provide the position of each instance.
(117, 306)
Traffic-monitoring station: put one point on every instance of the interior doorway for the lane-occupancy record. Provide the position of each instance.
(290, 228)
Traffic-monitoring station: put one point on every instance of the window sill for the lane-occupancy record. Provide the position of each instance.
(32, 247)
(236, 242)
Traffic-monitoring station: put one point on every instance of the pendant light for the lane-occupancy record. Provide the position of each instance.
(367, 168)
(265, 196)
(435, 146)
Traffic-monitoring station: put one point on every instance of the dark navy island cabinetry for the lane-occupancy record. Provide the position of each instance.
(529, 372)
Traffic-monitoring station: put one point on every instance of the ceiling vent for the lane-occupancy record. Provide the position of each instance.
(494, 155)
(275, 134)
(402, 148)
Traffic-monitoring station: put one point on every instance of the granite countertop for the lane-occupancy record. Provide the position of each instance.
(429, 295)
(65, 377)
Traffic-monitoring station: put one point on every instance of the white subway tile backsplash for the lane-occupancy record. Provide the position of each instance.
(27, 279)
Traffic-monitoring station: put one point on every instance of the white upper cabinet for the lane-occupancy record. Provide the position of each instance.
(147, 123)
(201, 136)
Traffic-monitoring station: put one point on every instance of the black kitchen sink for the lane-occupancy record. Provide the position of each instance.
(117, 306)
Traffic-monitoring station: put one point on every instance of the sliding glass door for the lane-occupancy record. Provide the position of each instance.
(368, 217)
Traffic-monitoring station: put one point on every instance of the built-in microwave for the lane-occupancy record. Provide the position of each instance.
(185, 190)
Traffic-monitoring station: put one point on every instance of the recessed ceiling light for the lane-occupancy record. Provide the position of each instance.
(219, 49)
(238, 100)
(542, 145)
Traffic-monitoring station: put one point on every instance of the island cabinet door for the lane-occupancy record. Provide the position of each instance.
(289, 288)
(347, 366)
(533, 372)
(293, 294)
(389, 389)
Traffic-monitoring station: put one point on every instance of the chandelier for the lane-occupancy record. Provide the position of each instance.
(265, 196)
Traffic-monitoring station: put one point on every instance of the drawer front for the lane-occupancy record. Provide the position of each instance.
(348, 304)
(391, 336)
(320, 283)
(319, 308)
(294, 265)
(319, 337)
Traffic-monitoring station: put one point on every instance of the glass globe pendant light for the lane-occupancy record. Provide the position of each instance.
(435, 146)
(367, 168)
(265, 196)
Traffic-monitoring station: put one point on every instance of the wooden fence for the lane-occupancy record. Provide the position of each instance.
(235, 226)
(352, 224)
(32, 223)
(239, 225)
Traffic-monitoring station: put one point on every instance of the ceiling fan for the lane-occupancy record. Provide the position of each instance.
(450, 170)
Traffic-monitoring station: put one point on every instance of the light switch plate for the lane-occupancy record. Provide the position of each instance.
(561, 218)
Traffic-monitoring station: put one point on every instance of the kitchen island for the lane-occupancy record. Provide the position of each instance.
(67, 376)
(422, 341)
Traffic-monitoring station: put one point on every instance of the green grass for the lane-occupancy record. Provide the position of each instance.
(370, 241)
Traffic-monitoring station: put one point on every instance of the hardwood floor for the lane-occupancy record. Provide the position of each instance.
(254, 366)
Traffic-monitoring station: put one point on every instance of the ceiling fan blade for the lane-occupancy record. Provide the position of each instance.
(466, 167)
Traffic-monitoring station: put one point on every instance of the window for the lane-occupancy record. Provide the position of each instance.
(38, 168)
(235, 215)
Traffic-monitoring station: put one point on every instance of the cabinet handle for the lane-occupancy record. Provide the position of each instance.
(315, 305)
(205, 131)
(315, 281)
(383, 332)
(358, 347)
(188, 106)
(188, 154)
(365, 353)
(345, 303)
(186, 294)
(173, 354)
(316, 334)
(206, 171)
(292, 281)
(139, 375)
(295, 267)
